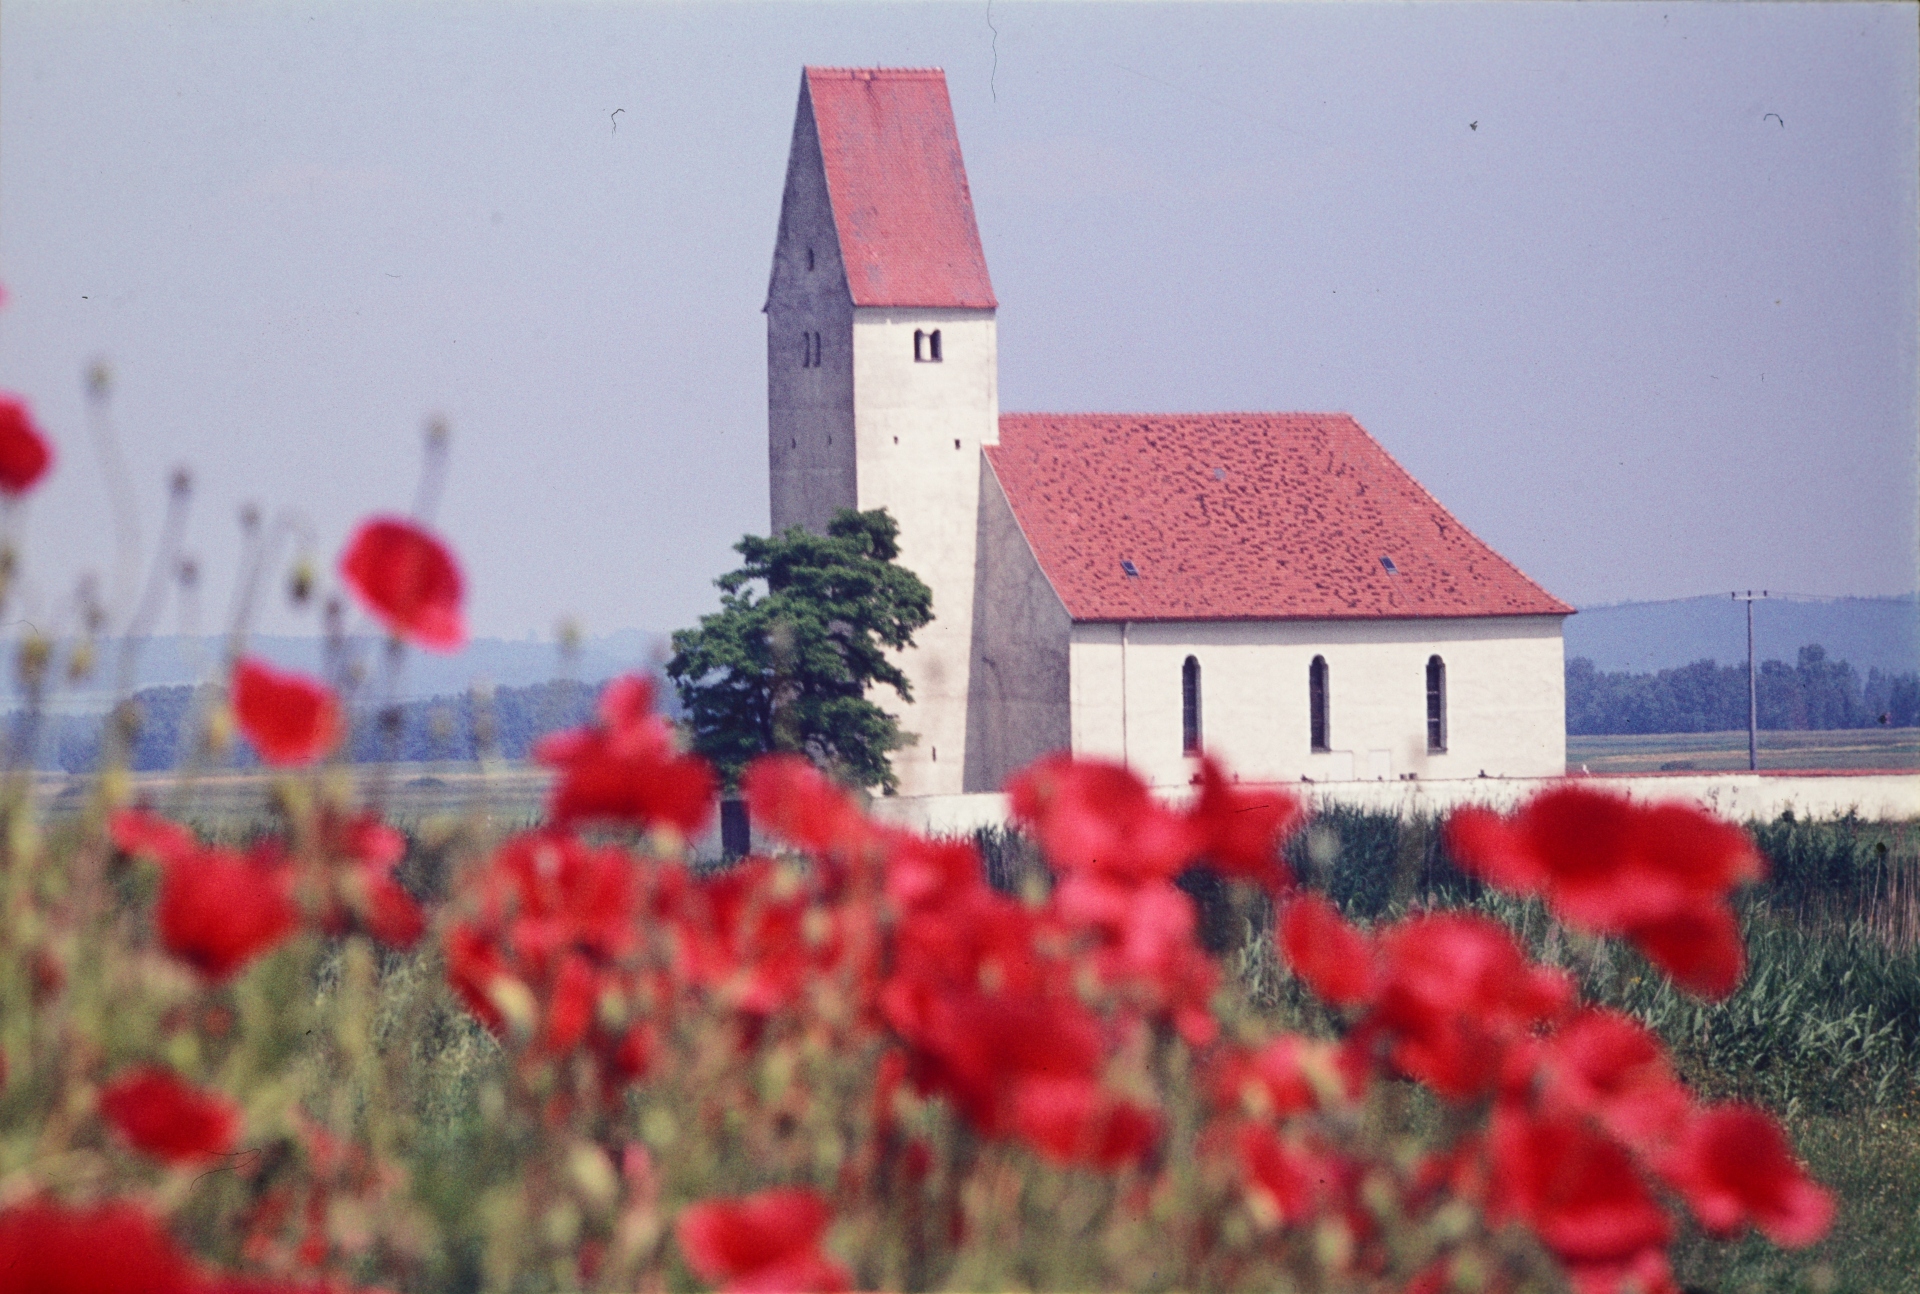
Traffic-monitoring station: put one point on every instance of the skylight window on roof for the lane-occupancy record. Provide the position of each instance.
(1133, 572)
(1388, 563)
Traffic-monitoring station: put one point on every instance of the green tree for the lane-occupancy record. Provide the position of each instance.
(790, 668)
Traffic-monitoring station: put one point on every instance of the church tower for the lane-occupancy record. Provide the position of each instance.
(882, 372)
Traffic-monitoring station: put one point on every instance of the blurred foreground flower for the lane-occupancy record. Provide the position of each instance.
(1660, 875)
(762, 1244)
(169, 1119)
(218, 909)
(408, 580)
(625, 769)
(24, 452)
(109, 1248)
(289, 718)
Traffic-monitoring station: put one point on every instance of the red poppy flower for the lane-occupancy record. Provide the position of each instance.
(1456, 994)
(289, 718)
(1279, 1078)
(1333, 958)
(476, 971)
(625, 768)
(927, 873)
(1072, 1121)
(169, 1119)
(388, 912)
(1734, 1166)
(24, 452)
(218, 910)
(362, 852)
(1577, 1190)
(797, 802)
(977, 1048)
(761, 1244)
(1285, 1182)
(1659, 875)
(555, 924)
(109, 1248)
(408, 580)
(146, 834)
(1700, 947)
(1241, 831)
(1092, 815)
(1609, 1067)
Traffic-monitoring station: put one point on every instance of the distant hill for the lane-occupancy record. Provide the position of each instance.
(1867, 633)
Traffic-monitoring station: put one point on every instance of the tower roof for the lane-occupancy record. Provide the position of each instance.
(1242, 516)
(898, 187)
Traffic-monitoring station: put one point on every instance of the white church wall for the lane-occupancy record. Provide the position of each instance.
(919, 426)
(810, 378)
(1018, 704)
(1506, 706)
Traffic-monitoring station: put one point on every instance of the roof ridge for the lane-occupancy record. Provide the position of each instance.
(1217, 413)
(878, 73)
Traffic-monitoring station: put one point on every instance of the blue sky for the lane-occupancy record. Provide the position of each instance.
(1631, 288)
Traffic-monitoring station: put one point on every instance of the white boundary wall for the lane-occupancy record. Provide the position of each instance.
(1738, 796)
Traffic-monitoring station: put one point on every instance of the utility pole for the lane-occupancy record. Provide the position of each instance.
(1753, 689)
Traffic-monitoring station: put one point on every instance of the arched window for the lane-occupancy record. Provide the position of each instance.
(926, 346)
(1436, 704)
(1318, 717)
(1190, 707)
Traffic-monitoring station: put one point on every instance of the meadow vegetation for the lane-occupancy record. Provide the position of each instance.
(1134, 1045)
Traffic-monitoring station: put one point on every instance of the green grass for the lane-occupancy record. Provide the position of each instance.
(1705, 752)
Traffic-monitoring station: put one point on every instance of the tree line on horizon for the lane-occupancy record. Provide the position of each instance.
(505, 723)
(1815, 692)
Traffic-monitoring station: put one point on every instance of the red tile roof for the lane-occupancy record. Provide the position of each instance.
(898, 187)
(1242, 516)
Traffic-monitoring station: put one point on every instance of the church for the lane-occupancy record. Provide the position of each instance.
(1272, 588)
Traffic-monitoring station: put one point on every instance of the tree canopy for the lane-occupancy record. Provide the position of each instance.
(790, 668)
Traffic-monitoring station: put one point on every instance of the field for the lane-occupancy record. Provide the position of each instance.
(502, 796)
(1825, 1032)
(1843, 748)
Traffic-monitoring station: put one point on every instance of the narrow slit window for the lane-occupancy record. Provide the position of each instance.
(1190, 707)
(1436, 705)
(809, 259)
(1318, 718)
(809, 349)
